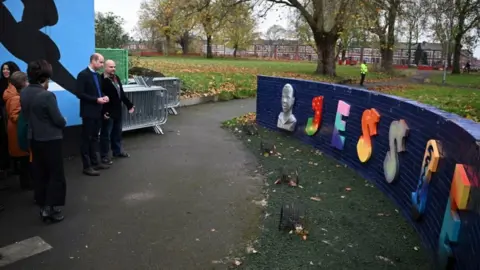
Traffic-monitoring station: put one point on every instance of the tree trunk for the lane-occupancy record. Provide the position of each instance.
(390, 42)
(209, 47)
(383, 49)
(326, 43)
(235, 51)
(185, 42)
(449, 57)
(167, 45)
(457, 52)
(362, 52)
(410, 37)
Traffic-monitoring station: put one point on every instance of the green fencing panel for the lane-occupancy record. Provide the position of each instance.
(120, 57)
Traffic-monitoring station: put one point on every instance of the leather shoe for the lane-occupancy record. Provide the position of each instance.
(91, 172)
(122, 155)
(47, 214)
(107, 161)
(101, 166)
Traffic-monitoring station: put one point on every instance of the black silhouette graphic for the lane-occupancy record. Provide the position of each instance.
(27, 42)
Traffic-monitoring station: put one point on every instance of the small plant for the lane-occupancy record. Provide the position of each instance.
(247, 119)
(292, 179)
(267, 148)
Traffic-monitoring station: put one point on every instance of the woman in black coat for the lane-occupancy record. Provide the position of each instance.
(7, 69)
(45, 123)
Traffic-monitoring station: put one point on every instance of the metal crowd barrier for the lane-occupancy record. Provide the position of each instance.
(173, 86)
(151, 108)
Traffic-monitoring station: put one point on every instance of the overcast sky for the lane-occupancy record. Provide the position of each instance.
(128, 10)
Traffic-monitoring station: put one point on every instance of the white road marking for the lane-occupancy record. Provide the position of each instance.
(22, 250)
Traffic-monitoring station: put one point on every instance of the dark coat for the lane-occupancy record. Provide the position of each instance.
(114, 106)
(40, 109)
(86, 90)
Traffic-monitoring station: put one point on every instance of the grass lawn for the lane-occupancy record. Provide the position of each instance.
(213, 76)
(461, 101)
(464, 80)
(351, 224)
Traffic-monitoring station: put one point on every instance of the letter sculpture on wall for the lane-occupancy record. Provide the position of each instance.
(343, 109)
(313, 123)
(286, 119)
(430, 164)
(370, 119)
(463, 196)
(396, 137)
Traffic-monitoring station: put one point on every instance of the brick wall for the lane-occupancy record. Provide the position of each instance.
(456, 142)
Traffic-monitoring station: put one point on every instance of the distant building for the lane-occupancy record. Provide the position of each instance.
(433, 54)
(136, 45)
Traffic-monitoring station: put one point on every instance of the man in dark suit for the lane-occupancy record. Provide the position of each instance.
(111, 133)
(89, 91)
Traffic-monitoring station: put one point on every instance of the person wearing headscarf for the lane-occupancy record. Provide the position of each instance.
(18, 81)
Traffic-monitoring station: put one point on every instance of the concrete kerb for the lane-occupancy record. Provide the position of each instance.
(197, 100)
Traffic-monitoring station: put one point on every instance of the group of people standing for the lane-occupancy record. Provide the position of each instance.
(31, 130)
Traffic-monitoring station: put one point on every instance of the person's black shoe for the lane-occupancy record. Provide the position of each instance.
(47, 214)
(56, 209)
(25, 184)
(107, 161)
(4, 186)
(91, 172)
(122, 155)
(101, 166)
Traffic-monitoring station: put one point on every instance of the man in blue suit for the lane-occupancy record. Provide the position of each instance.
(89, 91)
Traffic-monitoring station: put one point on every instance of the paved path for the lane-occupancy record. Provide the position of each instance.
(156, 210)
(418, 78)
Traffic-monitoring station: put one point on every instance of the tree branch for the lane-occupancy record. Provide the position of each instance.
(296, 4)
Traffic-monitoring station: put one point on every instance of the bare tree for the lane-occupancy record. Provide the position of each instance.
(414, 18)
(326, 19)
(382, 16)
(275, 33)
(467, 15)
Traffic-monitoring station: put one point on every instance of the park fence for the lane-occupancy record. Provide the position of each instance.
(151, 108)
(172, 85)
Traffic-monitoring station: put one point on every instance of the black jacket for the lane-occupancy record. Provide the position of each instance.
(87, 92)
(114, 106)
(40, 109)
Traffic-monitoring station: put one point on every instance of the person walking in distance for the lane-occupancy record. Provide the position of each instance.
(363, 72)
(111, 132)
(88, 90)
(45, 131)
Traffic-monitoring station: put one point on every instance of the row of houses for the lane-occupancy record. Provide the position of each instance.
(432, 53)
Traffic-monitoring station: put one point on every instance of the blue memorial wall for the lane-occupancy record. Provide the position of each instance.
(426, 160)
(60, 31)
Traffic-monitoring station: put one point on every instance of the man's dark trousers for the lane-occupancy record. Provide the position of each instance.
(111, 136)
(90, 142)
(362, 79)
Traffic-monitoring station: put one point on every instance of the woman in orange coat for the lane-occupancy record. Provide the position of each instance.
(11, 96)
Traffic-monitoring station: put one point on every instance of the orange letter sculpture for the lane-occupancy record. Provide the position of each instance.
(370, 119)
